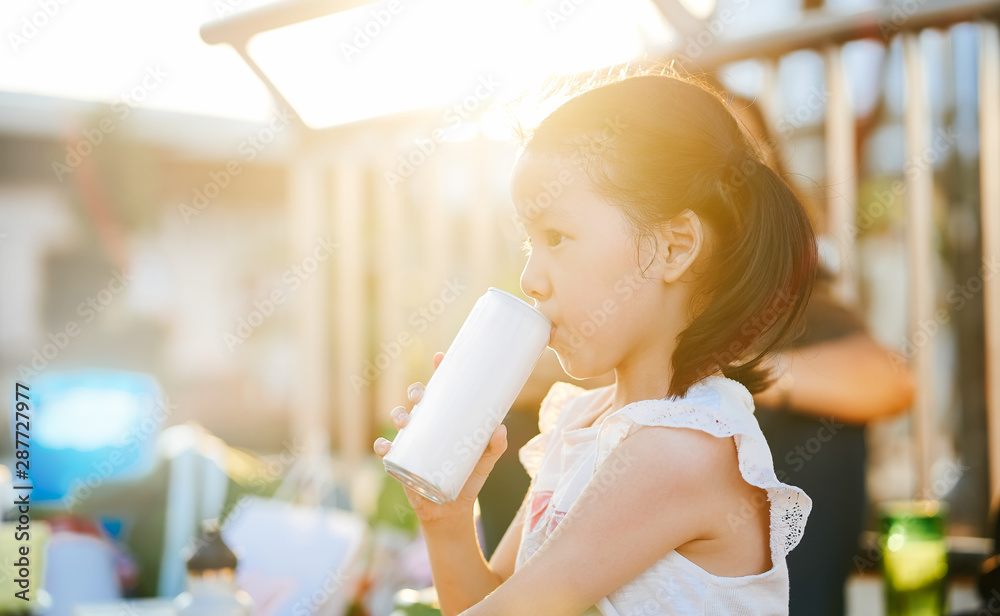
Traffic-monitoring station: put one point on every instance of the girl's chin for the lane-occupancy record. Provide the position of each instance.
(576, 369)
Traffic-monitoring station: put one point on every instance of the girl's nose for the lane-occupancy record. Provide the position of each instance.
(534, 282)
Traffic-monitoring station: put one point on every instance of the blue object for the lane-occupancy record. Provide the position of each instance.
(112, 526)
(89, 427)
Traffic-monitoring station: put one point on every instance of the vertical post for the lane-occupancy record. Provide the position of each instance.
(482, 224)
(390, 332)
(989, 160)
(309, 235)
(769, 100)
(438, 242)
(841, 174)
(920, 244)
(351, 321)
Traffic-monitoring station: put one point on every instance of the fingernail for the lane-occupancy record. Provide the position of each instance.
(412, 391)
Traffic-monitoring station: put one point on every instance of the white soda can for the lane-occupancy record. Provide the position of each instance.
(468, 395)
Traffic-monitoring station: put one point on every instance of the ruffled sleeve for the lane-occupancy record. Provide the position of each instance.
(532, 453)
(722, 408)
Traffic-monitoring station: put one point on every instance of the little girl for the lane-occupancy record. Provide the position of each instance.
(660, 247)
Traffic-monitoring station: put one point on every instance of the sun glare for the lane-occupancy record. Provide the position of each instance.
(391, 56)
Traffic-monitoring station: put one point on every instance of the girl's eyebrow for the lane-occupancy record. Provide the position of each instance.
(548, 213)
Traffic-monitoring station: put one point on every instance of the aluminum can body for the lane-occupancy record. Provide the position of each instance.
(468, 396)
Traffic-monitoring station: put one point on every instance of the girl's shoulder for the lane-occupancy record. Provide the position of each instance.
(714, 400)
(723, 408)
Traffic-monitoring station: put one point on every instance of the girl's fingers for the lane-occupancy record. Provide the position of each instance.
(498, 441)
(496, 447)
(399, 417)
(381, 446)
(415, 392)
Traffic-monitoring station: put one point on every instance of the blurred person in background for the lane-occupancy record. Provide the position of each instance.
(831, 381)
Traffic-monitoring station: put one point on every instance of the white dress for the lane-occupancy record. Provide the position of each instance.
(561, 462)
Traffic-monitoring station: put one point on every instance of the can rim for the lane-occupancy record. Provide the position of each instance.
(522, 302)
(416, 482)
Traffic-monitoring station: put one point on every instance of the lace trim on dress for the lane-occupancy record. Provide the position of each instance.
(532, 452)
(702, 409)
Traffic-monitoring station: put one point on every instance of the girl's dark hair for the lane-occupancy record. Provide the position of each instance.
(656, 144)
(765, 138)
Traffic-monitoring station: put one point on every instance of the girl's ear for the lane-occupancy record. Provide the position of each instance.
(680, 241)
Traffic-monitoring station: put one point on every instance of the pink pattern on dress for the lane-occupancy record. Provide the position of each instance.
(539, 503)
(557, 517)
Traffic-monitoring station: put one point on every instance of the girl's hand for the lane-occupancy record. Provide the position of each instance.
(427, 510)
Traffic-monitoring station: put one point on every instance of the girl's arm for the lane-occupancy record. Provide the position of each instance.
(462, 577)
(659, 489)
(505, 555)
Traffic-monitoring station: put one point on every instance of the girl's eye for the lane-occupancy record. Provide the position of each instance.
(553, 239)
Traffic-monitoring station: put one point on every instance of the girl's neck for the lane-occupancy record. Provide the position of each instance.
(634, 385)
(605, 409)
(651, 389)
(645, 372)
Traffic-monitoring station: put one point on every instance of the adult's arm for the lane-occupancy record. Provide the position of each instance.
(852, 379)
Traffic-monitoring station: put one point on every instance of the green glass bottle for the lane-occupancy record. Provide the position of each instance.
(914, 557)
